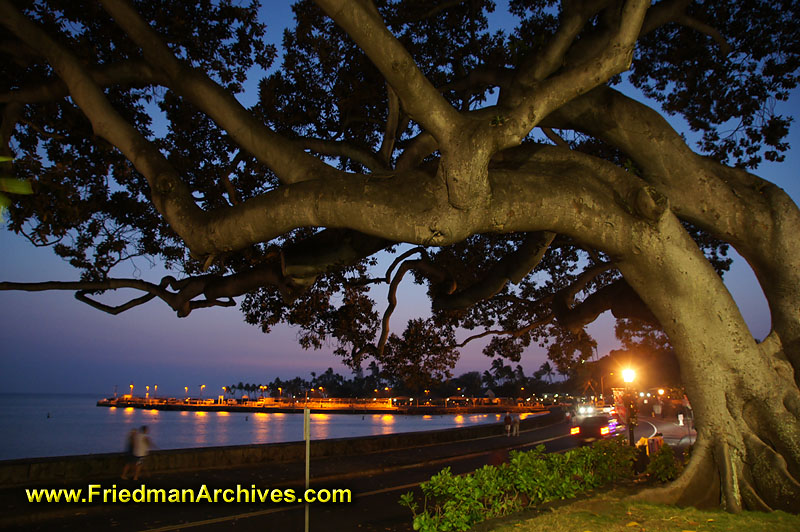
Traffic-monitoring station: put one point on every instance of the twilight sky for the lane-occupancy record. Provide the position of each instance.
(50, 342)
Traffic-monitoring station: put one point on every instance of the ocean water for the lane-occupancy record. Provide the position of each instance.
(60, 425)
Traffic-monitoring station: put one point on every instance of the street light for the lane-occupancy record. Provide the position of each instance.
(628, 375)
(202, 386)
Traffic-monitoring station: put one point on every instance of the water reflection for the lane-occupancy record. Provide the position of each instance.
(81, 427)
(261, 421)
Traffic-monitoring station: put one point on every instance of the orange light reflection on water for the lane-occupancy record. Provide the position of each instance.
(129, 410)
(223, 414)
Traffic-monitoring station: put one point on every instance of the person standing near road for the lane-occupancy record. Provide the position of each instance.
(515, 425)
(507, 423)
(141, 448)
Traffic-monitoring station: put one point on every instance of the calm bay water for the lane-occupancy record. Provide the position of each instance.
(76, 426)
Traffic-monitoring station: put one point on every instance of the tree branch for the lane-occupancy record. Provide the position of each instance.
(289, 163)
(392, 122)
(508, 332)
(343, 149)
(574, 16)
(130, 73)
(421, 100)
(512, 268)
(702, 27)
(552, 135)
(553, 92)
(169, 194)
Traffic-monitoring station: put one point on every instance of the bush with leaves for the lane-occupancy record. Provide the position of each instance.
(663, 466)
(453, 502)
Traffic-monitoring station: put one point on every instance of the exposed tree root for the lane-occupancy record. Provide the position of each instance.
(698, 485)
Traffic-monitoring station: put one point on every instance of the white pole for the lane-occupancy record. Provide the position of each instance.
(307, 437)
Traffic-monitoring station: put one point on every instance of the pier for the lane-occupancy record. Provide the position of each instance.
(330, 405)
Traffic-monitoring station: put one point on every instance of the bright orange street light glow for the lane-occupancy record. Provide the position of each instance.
(661, 391)
(628, 375)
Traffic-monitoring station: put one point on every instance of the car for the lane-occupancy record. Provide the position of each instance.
(594, 427)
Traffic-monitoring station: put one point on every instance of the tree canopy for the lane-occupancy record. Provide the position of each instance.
(504, 169)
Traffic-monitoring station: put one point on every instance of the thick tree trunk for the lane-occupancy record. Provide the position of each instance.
(743, 394)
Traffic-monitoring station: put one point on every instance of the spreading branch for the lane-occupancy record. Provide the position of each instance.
(512, 268)
(420, 99)
(289, 163)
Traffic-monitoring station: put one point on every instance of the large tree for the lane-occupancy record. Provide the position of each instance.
(534, 193)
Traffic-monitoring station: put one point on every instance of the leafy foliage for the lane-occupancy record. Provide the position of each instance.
(663, 466)
(457, 502)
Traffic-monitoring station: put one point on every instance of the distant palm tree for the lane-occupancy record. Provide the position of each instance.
(547, 370)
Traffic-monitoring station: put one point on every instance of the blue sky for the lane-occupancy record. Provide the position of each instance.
(53, 343)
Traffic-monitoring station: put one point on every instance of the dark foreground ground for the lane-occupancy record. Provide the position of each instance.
(376, 481)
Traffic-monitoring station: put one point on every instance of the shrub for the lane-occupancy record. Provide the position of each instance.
(663, 466)
(453, 502)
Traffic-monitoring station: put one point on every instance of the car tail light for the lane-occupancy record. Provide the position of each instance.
(575, 430)
(604, 430)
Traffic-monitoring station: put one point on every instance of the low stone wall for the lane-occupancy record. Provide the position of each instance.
(109, 465)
